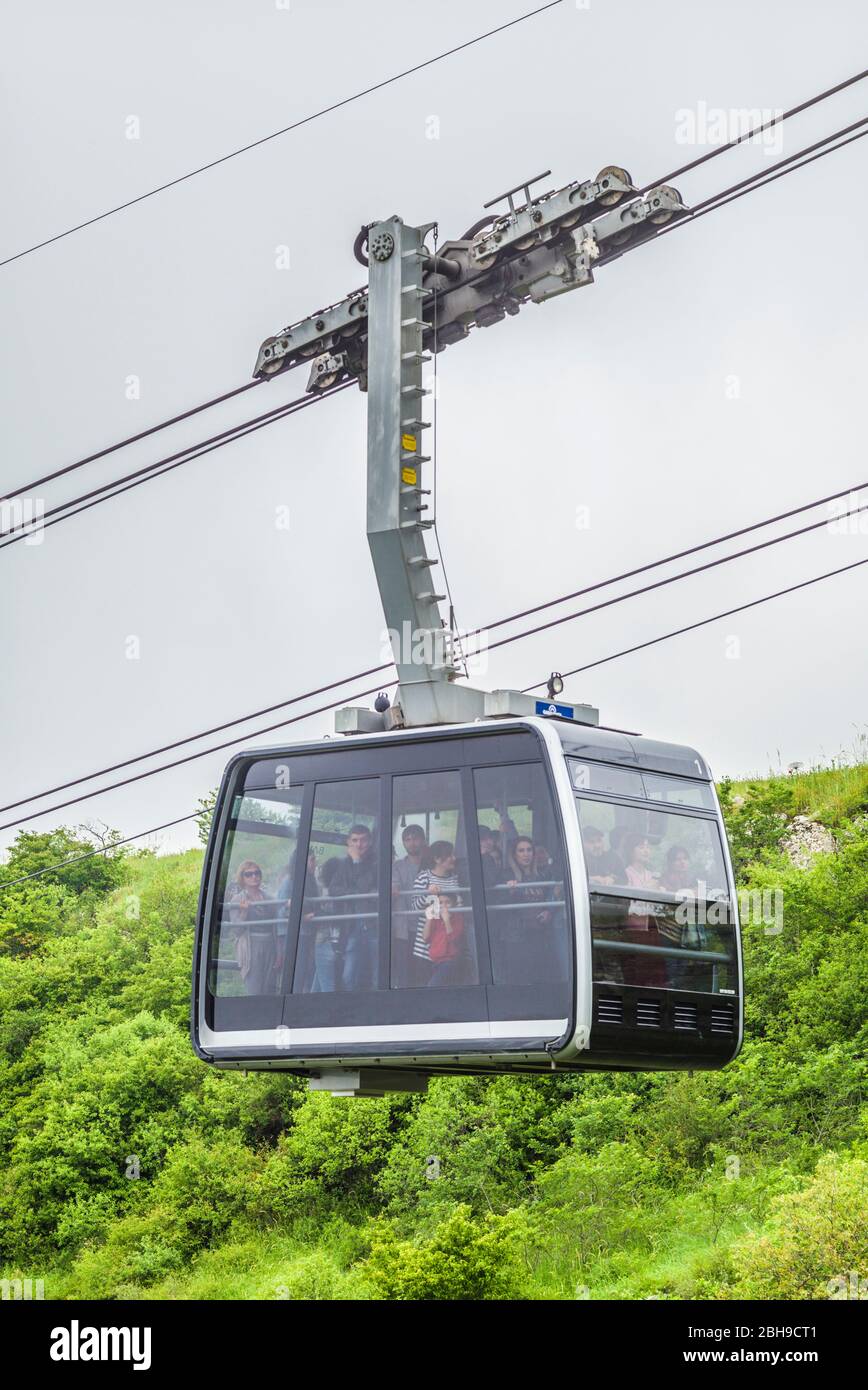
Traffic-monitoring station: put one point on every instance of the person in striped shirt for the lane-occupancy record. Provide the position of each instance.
(437, 900)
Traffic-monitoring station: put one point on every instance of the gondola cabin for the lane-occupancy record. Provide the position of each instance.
(510, 895)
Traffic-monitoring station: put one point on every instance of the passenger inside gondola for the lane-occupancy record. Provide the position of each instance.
(638, 855)
(677, 876)
(405, 871)
(488, 848)
(604, 866)
(439, 950)
(543, 862)
(525, 930)
(345, 952)
(255, 946)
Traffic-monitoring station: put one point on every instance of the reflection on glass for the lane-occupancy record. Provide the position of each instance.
(249, 938)
(599, 777)
(339, 930)
(684, 946)
(678, 791)
(522, 875)
(632, 847)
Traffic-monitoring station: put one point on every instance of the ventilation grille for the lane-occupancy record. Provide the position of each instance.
(610, 1011)
(685, 1018)
(723, 1019)
(648, 1013)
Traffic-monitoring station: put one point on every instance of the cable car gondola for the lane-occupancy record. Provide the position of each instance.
(474, 881)
(507, 895)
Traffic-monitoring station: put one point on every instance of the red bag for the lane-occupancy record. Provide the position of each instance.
(444, 945)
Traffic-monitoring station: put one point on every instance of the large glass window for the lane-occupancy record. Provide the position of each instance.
(634, 847)
(248, 944)
(433, 930)
(684, 940)
(338, 945)
(523, 875)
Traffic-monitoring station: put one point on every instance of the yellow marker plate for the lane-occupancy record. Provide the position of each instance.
(408, 475)
(408, 443)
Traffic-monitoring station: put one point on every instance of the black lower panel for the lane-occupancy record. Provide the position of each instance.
(529, 1001)
(466, 1004)
(233, 1012)
(673, 1027)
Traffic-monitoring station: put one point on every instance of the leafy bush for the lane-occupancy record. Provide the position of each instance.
(317, 1277)
(463, 1259)
(99, 1102)
(587, 1203)
(814, 1240)
(138, 1250)
(331, 1154)
(756, 820)
(486, 1138)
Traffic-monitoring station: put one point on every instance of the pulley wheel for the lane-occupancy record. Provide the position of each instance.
(608, 200)
(272, 365)
(658, 218)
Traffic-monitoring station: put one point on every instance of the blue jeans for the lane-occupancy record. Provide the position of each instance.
(328, 963)
(360, 959)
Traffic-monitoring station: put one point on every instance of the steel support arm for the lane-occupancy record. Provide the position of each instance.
(529, 254)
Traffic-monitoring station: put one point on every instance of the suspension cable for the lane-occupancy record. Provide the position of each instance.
(691, 627)
(296, 125)
(665, 637)
(661, 583)
(131, 439)
(757, 130)
(387, 666)
(165, 465)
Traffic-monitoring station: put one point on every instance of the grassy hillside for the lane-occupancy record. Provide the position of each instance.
(832, 795)
(130, 1169)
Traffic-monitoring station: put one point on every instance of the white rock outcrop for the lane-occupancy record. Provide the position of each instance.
(806, 840)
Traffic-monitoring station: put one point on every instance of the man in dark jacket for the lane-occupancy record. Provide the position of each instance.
(346, 950)
(604, 866)
(491, 863)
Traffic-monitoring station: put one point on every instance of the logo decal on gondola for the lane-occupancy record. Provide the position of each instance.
(549, 707)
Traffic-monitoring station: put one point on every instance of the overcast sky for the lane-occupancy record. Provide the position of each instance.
(700, 384)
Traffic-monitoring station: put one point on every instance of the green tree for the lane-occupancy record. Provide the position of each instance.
(205, 815)
(35, 852)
